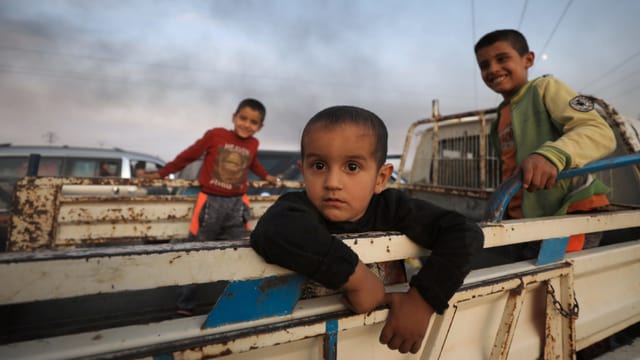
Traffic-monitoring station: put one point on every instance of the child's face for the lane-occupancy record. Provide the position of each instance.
(340, 171)
(247, 122)
(503, 69)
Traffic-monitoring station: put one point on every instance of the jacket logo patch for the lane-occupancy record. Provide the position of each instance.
(581, 103)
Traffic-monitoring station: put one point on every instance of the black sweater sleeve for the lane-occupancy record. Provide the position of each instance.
(292, 234)
(452, 238)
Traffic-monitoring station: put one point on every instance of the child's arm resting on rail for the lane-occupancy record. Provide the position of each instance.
(291, 234)
(407, 321)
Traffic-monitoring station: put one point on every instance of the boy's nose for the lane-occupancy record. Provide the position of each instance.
(332, 180)
(493, 66)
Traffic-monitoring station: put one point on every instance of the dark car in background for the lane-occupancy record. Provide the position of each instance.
(277, 162)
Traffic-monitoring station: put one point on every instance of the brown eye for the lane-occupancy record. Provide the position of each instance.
(352, 167)
(318, 165)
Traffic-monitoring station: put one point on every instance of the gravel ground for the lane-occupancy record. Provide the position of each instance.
(627, 352)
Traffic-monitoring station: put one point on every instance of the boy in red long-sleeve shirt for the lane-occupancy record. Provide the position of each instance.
(220, 212)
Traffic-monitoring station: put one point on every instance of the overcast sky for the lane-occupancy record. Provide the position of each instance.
(153, 76)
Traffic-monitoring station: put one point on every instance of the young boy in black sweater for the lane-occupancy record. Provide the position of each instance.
(343, 151)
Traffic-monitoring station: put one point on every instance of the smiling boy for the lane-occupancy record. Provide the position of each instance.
(220, 211)
(343, 149)
(543, 127)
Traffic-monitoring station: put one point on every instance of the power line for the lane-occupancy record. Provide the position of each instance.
(564, 12)
(473, 35)
(608, 72)
(626, 92)
(153, 83)
(616, 82)
(179, 68)
(524, 10)
(473, 20)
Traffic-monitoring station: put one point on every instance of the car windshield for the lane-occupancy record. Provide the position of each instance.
(284, 164)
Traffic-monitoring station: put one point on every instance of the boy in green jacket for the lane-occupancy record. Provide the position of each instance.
(543, 127)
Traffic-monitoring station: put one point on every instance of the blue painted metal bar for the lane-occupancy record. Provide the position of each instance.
(255, 299)
(505, 191)
(551, 250)
(331, 340)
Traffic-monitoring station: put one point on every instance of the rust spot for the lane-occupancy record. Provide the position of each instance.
(388, 249)
(224, 352)
(97, 337)
(272, 283)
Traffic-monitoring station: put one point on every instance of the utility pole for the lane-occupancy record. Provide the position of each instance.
(50, 137)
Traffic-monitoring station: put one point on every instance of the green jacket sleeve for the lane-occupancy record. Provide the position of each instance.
(586, 135)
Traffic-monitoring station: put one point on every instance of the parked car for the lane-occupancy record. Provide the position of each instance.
(64, 161)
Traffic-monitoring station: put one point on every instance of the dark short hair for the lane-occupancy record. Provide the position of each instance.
(343, 114)
(515, 38)
(252, 104)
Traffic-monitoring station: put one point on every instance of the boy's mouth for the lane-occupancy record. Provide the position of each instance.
(495, 80)
(331, 201)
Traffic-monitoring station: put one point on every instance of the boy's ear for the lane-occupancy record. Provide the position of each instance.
(529, 59)
(383, 177)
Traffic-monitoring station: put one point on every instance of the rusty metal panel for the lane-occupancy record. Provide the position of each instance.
(517, 231)
(192, 259)
(607, 287)
(58, 274)
(33, 214)
(437, 336)
(292, 343)
(53, 213)
(38, 200)
(480, 302)
(553, 325)
(510, 315)
(86, 221)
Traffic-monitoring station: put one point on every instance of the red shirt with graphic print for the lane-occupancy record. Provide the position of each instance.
(227, 161)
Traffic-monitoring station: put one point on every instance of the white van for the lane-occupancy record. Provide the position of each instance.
(68, 162)
(74, 161)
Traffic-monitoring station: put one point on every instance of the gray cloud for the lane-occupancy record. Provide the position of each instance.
(154, 75)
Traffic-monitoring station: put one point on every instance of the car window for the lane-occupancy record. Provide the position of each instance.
(147, 166)
(13, 167)
(16, 167)
(82, 167)
(108, 168)
(282, 163)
